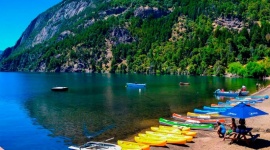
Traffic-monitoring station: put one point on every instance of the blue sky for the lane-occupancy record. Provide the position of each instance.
(16, 15)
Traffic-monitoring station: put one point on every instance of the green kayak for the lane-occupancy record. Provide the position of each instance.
(195, 126)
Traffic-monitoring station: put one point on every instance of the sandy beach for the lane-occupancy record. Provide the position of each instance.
(207, 140)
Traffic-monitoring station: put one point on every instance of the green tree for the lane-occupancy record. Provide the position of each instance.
(255, 70)
(235, 68)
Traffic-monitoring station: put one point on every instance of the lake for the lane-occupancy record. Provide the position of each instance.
(96, 105)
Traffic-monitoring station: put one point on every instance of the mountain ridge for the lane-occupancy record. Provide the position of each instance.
(133, 36)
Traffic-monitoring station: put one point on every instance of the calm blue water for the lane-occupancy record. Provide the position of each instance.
(96, 105)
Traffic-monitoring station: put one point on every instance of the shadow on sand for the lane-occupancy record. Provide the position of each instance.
(258, 144)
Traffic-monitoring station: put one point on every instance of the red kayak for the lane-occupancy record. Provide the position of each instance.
(196, 120)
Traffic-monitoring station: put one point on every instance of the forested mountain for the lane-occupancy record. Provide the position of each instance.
(205, 37)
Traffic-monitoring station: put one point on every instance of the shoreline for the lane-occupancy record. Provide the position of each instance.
(206, 140)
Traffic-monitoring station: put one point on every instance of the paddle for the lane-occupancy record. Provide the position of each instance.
(94, 134)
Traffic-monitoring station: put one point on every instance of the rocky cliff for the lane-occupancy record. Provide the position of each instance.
(66, 20)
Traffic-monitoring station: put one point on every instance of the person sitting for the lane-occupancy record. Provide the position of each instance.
(240, 130)
(232, 130)
(221, 130)
(242, 125)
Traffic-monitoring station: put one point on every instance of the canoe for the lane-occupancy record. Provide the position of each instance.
(222, 105)
(196, 120)
(215, 109)
(255, 96)
(200, 111)
(96, 146)
(249, 100)
(136, 85)
(170, 140)
(187, 137)
(195, 126)
(174, 124)
(205, 116)
(173, 127)
(58, 88)
(183, 83)
(176, 131)
(150, 141)
(233, 103)
(132, 145)
(218, 92)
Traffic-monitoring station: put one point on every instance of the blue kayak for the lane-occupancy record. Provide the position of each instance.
(214, 108)
(200, 111)
(136, 85)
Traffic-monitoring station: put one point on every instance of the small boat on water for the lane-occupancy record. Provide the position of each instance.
(243, 93)
(136, 85)
(96, 146)
(59, 88)
(183, 83)
(219, 92)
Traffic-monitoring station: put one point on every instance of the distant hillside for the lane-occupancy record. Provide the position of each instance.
(154, 37)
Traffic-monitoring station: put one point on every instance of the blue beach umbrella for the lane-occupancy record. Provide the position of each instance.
(243, 111)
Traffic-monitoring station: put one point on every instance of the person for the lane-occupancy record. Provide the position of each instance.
(257, 86)
(241, 128)
(243, 88)
(232, 130)
(221, 130)
(242, 125)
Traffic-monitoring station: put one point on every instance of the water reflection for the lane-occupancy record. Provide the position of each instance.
(101, 107)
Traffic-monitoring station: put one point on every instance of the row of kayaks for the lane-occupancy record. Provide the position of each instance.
(215, 110)
(168, 132)
(176, 131)
(159, 136)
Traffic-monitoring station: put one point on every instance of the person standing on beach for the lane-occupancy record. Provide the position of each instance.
(257, 86)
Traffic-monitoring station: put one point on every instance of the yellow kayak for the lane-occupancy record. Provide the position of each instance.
(150, 141)
(187, 137)
(174, 127)
(175, 131)
(171, 140)
(132, 145)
